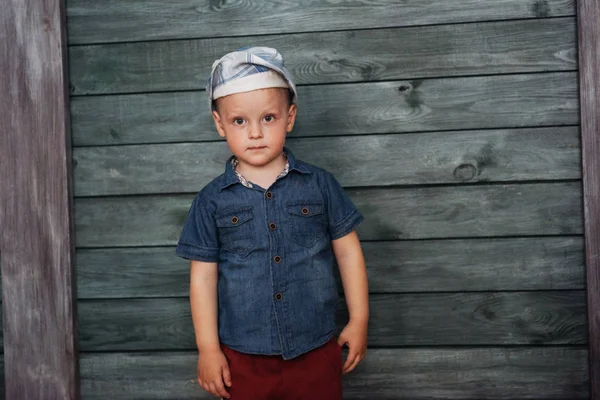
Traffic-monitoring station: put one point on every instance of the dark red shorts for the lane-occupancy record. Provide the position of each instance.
(314, 375)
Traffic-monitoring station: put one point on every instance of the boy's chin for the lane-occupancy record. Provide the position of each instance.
(258, 158)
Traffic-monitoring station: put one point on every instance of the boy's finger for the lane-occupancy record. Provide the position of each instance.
(220, 389)
(349, 361)
(226, 376)
(355, 363)
(210, 388)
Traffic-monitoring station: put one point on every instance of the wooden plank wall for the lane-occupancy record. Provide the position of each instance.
(453, 124)
(37, 249)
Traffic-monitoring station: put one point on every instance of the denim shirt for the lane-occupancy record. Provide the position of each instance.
(277, 293)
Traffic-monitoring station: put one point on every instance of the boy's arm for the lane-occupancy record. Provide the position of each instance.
(213, 369)
(351, 263)
(203, 302)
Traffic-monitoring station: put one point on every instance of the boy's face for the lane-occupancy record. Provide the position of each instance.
(255, 125)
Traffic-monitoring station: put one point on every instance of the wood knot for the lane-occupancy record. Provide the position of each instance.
(465, 172)
(405, 87)
(541, 8)
(216, 5)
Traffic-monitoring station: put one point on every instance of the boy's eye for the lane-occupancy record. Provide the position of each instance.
(269, 118)
(238, 121)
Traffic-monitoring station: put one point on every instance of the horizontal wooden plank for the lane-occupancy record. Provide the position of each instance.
(426, 158)
(504, 101)
(390, 213)
(390, 374)
(122, 21)
(396, 266)
(430, 319)
(475, 264)
(347, 56)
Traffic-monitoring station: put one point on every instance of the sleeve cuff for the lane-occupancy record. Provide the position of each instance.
(191, 252)
(347, 225)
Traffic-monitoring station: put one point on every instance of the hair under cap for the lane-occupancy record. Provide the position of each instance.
(248, 69)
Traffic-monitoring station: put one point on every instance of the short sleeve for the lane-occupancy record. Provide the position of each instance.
(341, 212)
(198, 240)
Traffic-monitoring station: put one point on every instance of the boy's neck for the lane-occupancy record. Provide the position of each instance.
(265, 175)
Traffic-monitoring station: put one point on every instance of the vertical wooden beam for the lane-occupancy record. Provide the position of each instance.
(588, 18)
(36, 241)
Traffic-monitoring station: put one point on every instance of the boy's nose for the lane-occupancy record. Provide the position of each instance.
(255, 132)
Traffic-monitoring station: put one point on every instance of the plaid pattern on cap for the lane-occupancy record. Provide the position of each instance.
(245, 62)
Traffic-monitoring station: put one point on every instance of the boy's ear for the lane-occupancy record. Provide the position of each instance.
(218, 123)
(291, 117)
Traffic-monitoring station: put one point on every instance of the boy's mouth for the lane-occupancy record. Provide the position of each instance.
(256, 147)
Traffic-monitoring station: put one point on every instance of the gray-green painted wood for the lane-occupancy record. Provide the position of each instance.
(430, 319)
(423, 92)
(426, 158)
(135, 20)
(397, 266)
(389, 374)
(347, 56)
(391, 213)
(503, 101)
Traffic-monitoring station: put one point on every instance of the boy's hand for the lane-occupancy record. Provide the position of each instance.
(213, 372)
(354, 335)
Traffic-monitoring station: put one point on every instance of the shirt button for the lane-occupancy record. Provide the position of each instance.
(277, 259)
(269, 195)
(278, 296)
(272, 226)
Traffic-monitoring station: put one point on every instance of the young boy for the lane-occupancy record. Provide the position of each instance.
(262, 238)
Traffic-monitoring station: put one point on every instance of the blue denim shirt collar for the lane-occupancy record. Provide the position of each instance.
(230, 178)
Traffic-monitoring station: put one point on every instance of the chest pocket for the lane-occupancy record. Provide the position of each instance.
(307, 223)
(236, 231)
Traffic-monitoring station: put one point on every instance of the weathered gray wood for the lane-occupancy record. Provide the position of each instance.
(394, 213)
(134, 272)
(36, 246)
(530, 209)
(396, 266)
(430, 319)
(340, 109)
(2, 383)
(475, 264)
(588, 13)
(554, 373)
(412, 374)
(347, 56)
(1, 352)
(120, 20)
(426, 158)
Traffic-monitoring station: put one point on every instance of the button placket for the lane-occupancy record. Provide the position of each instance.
(276, 266)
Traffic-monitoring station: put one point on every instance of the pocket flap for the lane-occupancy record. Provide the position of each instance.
(233, 218)
(305, 209)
